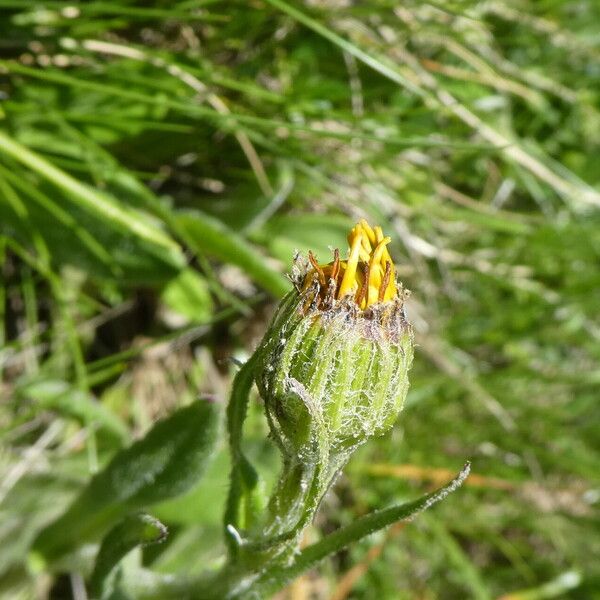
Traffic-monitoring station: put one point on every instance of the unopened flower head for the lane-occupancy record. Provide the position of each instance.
(334, 362)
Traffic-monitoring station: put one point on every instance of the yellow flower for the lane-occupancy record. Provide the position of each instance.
(368, 274)
(333, 367)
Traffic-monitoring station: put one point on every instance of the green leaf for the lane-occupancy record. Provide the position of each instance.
(103, 206)
(168, 461)
(285, 234)
(134, 530)
(276, 578)
(188, 295)
(214, 238)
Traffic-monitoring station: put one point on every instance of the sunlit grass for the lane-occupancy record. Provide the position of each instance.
(158, 167)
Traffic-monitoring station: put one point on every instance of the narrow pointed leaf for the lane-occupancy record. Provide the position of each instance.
(214, 238)
(275, 579)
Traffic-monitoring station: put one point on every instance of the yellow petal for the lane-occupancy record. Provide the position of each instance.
(349, 279)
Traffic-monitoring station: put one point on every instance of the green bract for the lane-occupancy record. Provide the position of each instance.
(332, 372)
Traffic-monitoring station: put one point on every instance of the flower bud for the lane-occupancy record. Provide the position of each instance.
(334, 364)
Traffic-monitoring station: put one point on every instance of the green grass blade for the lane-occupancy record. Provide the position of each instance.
(92, 200)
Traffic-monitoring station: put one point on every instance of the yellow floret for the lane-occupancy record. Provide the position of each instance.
(368, 274)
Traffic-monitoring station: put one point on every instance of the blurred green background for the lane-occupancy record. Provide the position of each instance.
(159, 164)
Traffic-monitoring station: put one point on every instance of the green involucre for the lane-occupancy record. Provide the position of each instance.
(338, 372)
